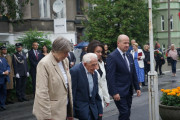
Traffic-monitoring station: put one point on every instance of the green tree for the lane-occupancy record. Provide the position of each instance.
(113, 17)
(34, 36)
(11, 8)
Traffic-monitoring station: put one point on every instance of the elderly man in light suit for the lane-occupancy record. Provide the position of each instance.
(53, 97)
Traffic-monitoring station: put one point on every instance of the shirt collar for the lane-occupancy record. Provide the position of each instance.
(121, 52)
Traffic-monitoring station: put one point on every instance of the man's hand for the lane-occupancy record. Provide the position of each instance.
(6, 72)
(27, 74)
(107, 104)
(162, 58)
(100, 116)
(138, 93)
(116, 97)
(70, 118)
(148, 62)
(17, 75)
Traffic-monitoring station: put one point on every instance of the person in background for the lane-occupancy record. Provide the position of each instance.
(53, 98)
(174, 57)
(121, 77)
(34, 56)
(71, 57)
(138, 57)
(84, 51)
(9, 85)
(44, 51)
(97, 48)
(86, 100)
(146, 61)
(158, 55)
(105, 53)
(4, 77)
(131, 47)
(21, 72)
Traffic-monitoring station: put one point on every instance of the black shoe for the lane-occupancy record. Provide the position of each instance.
(20, 100)
(3, 108)
(24, 99)
(162, 74)
(144, 85)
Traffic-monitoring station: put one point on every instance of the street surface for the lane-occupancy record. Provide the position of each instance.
(139, 111)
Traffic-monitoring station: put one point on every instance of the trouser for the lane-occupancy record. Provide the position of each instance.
(33, 76)
(158, 65)
(124, 107)
(173, 65)
(90, 117)
(3, 94)
(21, 87)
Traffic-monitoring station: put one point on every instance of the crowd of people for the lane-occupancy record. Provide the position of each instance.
(64, 90)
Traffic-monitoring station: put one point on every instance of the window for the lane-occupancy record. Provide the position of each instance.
(44, 8)
(171, 22)
(79, 6)
(162, 23)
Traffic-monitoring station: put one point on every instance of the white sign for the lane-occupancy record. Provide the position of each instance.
(60, 25)
(58, 6)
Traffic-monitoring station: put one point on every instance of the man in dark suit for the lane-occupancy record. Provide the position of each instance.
(34, 56)
(4, 72)
(21, 72)
(121, 77)
(72, 59)
(86, 100)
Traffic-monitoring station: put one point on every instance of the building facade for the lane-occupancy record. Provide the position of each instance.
(41, 16)
(161, 23)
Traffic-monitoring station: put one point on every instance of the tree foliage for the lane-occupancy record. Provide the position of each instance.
(12, 9)
(113, 17)
(34, 36)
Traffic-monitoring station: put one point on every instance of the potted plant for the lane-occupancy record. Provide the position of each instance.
(169, 108)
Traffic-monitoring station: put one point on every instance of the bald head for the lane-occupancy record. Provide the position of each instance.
(122, 37)
(123, 42)
(133, 41)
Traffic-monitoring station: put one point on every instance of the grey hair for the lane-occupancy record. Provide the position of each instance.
(88, 57)
(61, 44)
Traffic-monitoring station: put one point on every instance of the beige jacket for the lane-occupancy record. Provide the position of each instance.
(51, 93)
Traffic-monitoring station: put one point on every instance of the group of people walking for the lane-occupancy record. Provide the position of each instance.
(64, 90)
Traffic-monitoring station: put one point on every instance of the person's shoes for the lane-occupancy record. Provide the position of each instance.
(3, 108)
(9, 102)
(20, 100)
(144, 85)
(24, 99)
(162, 74)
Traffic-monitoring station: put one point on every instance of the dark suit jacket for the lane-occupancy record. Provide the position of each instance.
(80, 89)
(72, 58)
(33, 60)
(20, 68)
(3, 67)
(120, 80)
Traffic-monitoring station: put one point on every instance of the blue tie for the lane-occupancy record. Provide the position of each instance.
(124, 55)
(91, 84)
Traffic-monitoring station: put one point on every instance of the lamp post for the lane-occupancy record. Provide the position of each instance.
(169, 24)
(152, 75)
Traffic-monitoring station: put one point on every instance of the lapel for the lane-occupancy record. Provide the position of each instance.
(56, 66)
(84, 75)
(121, 60)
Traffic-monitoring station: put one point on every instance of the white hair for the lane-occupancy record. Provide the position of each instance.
(87, 58)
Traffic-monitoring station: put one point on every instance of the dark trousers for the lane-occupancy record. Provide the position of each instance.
(90, 117)
(173, 65)
(33, 76)
(124, 107)
(3, 93)
(158, 65)
(21, 87)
